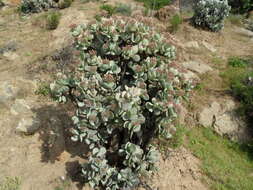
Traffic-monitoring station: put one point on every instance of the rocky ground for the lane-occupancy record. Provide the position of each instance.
(34, 144)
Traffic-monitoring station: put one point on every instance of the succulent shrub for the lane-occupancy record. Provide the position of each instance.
(210, 14)
(175, 22)
(52, 20)
(35, 6)
(126, 91)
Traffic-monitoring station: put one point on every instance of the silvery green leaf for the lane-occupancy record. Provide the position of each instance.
(75, 120)
(74, 138)
(136, 58)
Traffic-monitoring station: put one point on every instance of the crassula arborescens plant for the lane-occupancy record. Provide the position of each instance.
(35, 6)
(211, 14)
(126, 91)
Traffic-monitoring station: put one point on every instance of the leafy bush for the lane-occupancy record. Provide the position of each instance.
(64, 4)
(241, 6)
(155, 4)
(122, 9)
(238, 76)
(175, 22)
(35, 6)
(242, 89)
(110, 9)
(211, 14)
(126, 91)
(237, 62)
(53, 19)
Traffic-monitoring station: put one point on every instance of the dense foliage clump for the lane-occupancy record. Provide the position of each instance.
(35, 6)
(241, 6)
(53, 20)
(210, 14)
(127, 90)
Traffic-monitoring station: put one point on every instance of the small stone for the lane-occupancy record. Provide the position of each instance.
(209, 47)
(244, 32)
(7, 92)
(63, 178)
(10, 46)
(20, 107)
(10, 55)
(190, 75)
(197, 67)
(28, 125)
(192, 44)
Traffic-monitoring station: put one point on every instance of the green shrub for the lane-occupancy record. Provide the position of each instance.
(62, 4)
(242, 89)
(238, 76)
(98, 17)
(155, 4)
(126, 91)
(52, 20)
(43, 89)
(241, 6)
(210, 14)
(122, 9)
(237, 62)
(110, 9)
(175, 22)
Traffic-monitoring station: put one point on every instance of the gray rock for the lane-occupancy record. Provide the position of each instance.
(244, 32)
(10, 55)
(223, 118)
(20, 107)
(192, 44)
(207, 116)
(209, 47)
(10, 46)
(28, 125)
(231, 125)
(7, 92)
(197, 67)
(190, 75)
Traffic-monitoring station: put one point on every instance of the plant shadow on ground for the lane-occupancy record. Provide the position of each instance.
(55, 136)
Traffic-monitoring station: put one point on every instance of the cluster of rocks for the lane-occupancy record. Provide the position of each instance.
(12, 101)
(221, 115)
(8, 50)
